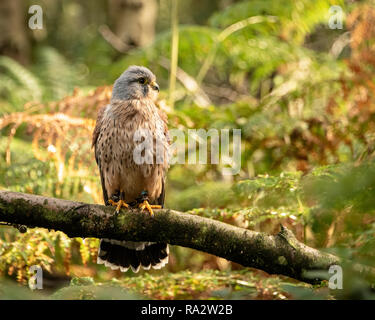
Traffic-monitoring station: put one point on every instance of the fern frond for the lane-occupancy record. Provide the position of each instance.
(18, 81)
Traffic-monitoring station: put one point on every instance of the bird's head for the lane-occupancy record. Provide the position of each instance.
(136, 83)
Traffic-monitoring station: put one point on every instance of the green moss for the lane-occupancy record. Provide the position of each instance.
(84, 281)
(282, 260)
(10, 210)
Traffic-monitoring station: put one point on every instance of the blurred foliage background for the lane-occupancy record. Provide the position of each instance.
(302, 94)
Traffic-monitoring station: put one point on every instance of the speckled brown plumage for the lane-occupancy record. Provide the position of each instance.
(114, 145)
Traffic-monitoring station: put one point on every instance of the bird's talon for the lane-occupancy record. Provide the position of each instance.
(118, 205)
(145, 205)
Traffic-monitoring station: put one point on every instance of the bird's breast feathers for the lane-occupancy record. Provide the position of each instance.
(132, 147)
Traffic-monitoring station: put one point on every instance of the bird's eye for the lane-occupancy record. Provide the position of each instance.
(142, 80)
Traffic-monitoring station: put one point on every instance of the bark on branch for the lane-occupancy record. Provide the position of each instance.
(276, 254)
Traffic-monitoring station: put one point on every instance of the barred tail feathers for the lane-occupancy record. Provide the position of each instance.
(128, 254)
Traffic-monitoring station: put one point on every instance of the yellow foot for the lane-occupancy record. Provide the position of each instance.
(149, 207)
(118, 204)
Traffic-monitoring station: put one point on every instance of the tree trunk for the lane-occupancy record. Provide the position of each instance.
(14, 41)
(134, 21)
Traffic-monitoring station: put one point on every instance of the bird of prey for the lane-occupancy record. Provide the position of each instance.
(126, 181)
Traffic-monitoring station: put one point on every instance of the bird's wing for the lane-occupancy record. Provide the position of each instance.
(95, 136)
(160, 200)
(98, 125)
(163, 116)
(105, 194)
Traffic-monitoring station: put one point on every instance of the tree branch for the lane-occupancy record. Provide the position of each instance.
(276, 254)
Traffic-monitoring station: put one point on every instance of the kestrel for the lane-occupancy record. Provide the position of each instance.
(132, 172)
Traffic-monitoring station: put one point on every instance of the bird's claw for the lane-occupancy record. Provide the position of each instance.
(118, 205)
(146, 206)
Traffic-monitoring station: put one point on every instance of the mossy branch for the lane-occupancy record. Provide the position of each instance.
(276, 254)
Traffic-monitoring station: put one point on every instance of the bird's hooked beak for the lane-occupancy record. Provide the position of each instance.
(154, 86)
